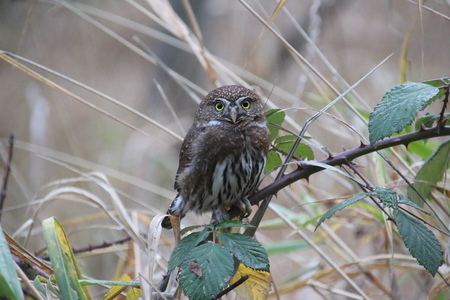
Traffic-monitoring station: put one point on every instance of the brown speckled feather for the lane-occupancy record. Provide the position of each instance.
(221, 158)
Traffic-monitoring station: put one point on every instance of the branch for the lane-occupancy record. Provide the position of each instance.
(304, 172)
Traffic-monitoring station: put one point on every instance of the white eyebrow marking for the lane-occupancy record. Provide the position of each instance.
(213, 123)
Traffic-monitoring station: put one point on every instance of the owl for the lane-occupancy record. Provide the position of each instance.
(222, 156)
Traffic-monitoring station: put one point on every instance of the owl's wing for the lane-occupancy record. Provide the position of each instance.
(187, 151)
(202, 149)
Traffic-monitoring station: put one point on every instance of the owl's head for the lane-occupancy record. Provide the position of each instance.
(232, 104)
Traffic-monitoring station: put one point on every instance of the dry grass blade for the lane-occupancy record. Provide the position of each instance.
(90, 165)
(123, 215)
(122, 219)
(300, 57)
(431, 10)
(321, 253)
(170, 107)
(22, 253)
(57, 87)
(178, 28)
(177, 77)
(208, 68)
(277, 9)
(154, 235)
(31, 288)
(110, 99)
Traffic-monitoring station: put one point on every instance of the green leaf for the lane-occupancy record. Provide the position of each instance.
(420, 241)
(9, 281)
(190, 228)
(403, 200)
(184, 247)
(246, 249)
(273, 161)
(439, 83)
(206, 271)
(64, 264)
(51, 289)
(343, 205)
(427, 121)
(288, 138)
(232, 223)
(431, 171)
(423, 148)
(285, 138)
(274, 117)
(388, 197)
(302, 151)
(398, 108)
(40, 287)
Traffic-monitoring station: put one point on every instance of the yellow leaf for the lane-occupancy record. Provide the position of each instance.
(134, 294)
(116, 290)
(256, 287)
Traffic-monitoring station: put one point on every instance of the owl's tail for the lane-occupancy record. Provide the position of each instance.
(166, 224)
(175, 209)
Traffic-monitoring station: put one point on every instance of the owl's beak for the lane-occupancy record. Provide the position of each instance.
(233, 113)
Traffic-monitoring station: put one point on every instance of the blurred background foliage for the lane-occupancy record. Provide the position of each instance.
(58, 138)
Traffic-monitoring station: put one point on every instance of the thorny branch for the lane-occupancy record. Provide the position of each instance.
(304, 171)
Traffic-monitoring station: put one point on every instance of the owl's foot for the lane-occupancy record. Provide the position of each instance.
(245, 206)
(219, 215)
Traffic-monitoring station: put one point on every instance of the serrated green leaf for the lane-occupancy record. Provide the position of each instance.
(398, 108)
(273, 161)
(420, 241)
(232, 223)
(64, 264)
(343, 205)
(302, 151)
(403, 200)
(274, 117)
(184, 247)
(431, 171)
(388, 197)
(9, 281)
(246, 249)
(206, 271)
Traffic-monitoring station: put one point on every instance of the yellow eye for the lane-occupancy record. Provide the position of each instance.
(246, 104)
(219, 106)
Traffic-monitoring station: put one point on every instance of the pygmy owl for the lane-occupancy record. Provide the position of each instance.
(222, 156)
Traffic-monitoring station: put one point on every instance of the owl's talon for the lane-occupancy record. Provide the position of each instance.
(245, 206)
